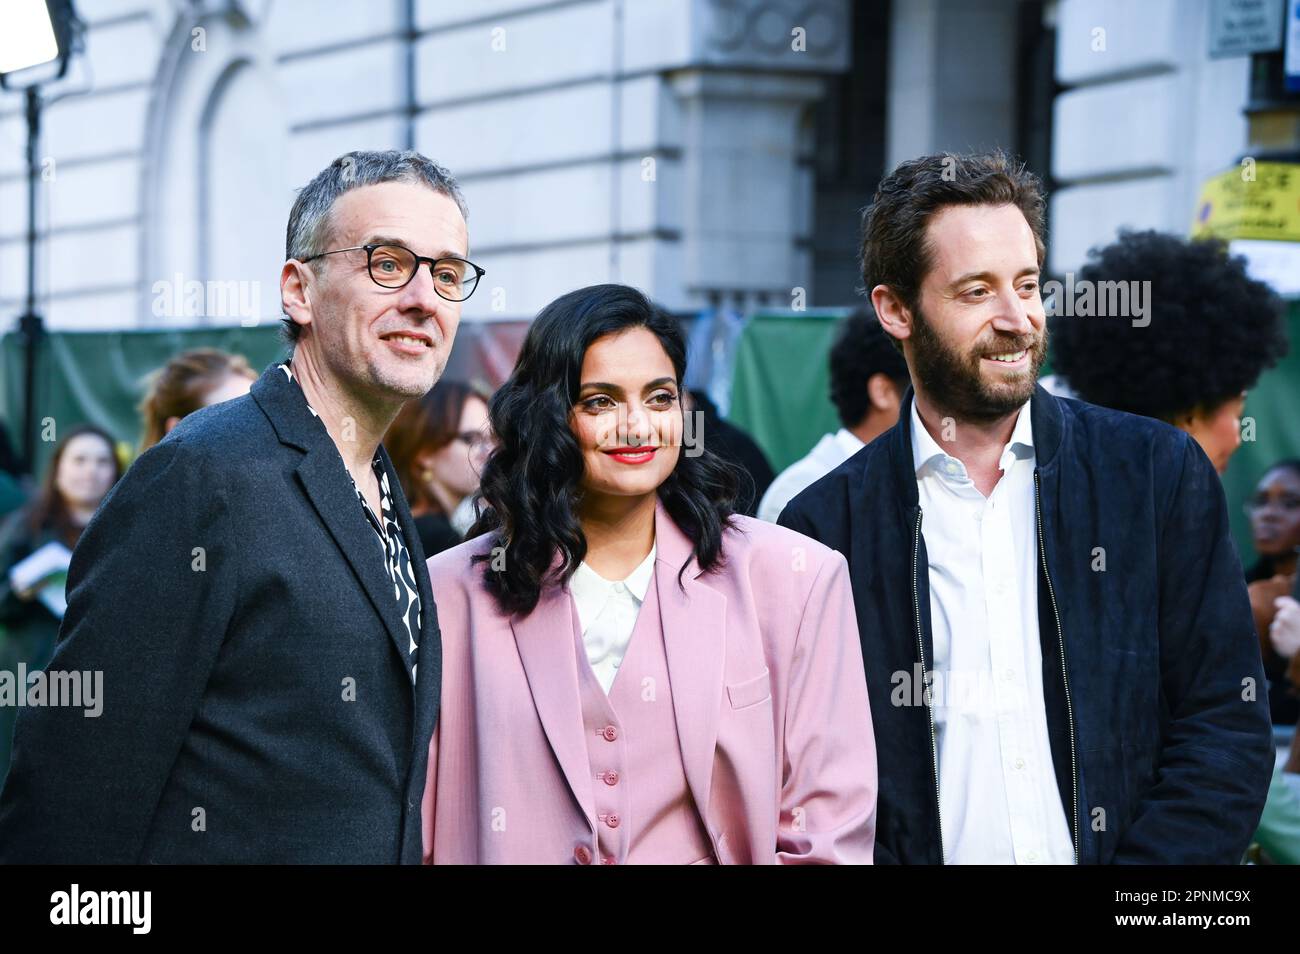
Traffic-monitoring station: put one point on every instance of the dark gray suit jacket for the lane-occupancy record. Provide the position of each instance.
(257, 699)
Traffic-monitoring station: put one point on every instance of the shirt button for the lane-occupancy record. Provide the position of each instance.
(610, 733)
(611, 778)
(582, 855)
(1009, 675)
(619, 588)
(1032, 856)
(612, 821)
(1020, 763)
(608, 861)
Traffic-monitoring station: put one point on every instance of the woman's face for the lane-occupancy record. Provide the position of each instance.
(1275, 513)
(628, 417)
(1218, 431)
(457, 465)
(86, 471)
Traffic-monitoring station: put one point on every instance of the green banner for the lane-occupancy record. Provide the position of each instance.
(98, 377)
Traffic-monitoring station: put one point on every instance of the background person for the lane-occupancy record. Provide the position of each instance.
(868, 379)
(1212, 331)
(438, 445)
(82, 471)
(191, 380)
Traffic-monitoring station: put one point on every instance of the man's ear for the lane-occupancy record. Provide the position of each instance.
(883, 393)
(295, 299)
(893, 315)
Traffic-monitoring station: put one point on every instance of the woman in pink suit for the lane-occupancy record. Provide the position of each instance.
(631, 672)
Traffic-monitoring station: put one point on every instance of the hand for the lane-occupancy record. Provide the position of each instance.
(1284, 631)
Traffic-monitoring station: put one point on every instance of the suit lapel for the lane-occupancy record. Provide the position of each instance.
(545, 639)
(694, 634)
(694, 630)
(328, 486)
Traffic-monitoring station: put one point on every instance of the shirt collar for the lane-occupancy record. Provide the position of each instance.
(926, 451)
(288, 373)
(848, 442)
(586, 583)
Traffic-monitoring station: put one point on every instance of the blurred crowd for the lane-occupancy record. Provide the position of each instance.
(1214, 332)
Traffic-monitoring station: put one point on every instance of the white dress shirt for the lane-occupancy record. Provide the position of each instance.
(998, 798)
(607, 612)
(831, 451)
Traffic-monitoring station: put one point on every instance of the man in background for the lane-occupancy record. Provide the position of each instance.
(868, 378)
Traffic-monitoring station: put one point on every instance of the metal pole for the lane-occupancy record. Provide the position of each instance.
(30, 323)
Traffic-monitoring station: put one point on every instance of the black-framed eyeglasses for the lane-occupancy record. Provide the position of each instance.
(393, 266)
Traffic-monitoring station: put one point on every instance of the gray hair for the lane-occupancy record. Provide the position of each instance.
(309, 219)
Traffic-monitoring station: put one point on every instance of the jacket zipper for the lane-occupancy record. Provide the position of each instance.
(920, 648)
(1065, 676)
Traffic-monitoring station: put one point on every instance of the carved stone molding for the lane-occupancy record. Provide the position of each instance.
(792, 34)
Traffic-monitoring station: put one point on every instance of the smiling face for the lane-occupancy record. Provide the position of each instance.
(628, 416)
(391, 343)
(978, 336)
(1275, 513)
(86, 471)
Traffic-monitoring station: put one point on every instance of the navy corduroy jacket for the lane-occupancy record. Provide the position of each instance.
(1153, 686)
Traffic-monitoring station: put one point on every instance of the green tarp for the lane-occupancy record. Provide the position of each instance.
(99, 376)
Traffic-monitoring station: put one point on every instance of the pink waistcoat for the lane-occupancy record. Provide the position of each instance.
(644, 810)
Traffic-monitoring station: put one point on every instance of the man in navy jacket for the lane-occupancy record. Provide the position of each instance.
(1058, 642)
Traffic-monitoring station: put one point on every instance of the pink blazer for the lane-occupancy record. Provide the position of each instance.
(769, 694)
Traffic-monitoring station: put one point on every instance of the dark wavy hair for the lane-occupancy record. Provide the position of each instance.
(1213, 329)
(532, 481)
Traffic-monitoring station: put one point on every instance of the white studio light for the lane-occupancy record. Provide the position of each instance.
(26, 35)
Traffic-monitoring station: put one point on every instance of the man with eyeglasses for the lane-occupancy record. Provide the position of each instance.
(254, 592)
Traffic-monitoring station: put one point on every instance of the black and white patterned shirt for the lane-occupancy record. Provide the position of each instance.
(397, 559)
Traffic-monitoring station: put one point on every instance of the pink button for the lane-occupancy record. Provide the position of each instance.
(611, 778)
(582, 854)
(609, 861)
(611, 821)
(610, 733)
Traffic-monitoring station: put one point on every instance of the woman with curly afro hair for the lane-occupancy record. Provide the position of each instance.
(1212, 331)
(633, 673)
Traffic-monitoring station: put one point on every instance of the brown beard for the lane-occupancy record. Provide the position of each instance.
(953, 382)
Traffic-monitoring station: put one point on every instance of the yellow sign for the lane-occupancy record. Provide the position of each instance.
(1256, 200)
